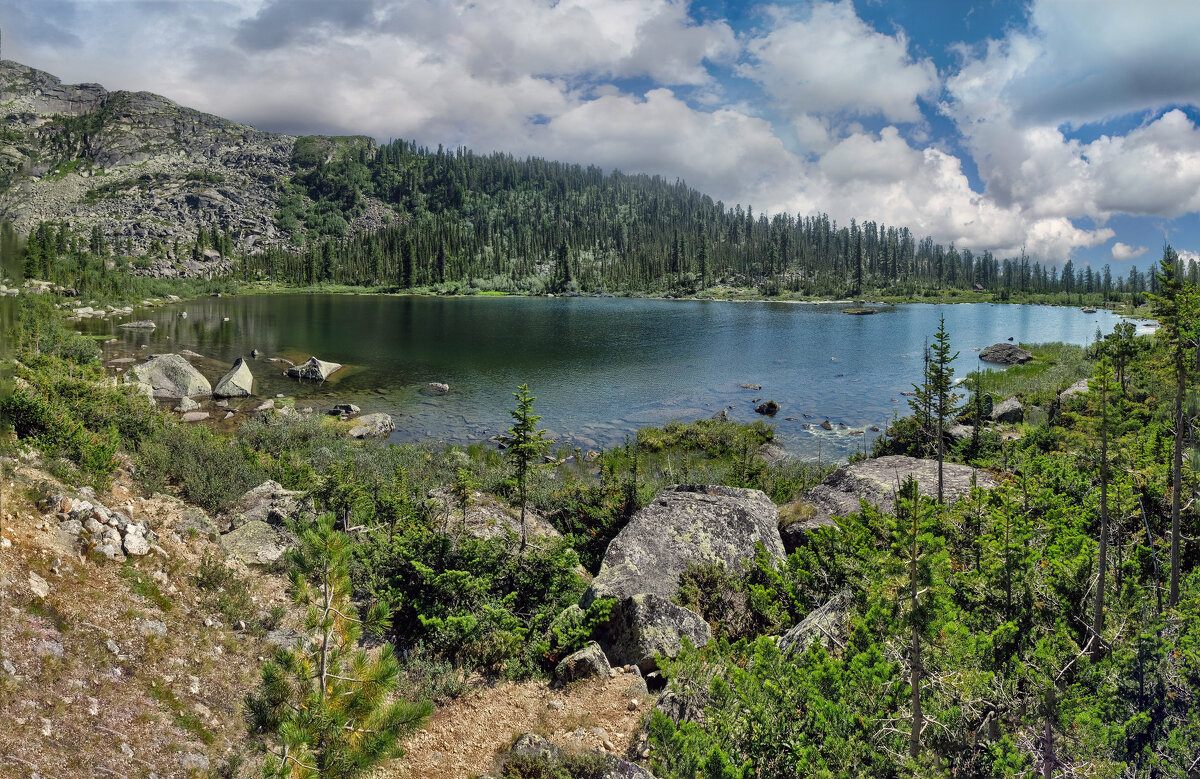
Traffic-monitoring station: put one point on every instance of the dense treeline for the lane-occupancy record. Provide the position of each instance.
(456, 221)
(495, 222)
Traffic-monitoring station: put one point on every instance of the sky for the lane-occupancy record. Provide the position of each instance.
(1067, 128)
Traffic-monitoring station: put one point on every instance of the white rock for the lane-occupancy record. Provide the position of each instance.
(38, 586)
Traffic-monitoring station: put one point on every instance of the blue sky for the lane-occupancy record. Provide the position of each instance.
(1067, 127)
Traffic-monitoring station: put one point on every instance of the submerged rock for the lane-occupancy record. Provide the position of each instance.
(238, 383)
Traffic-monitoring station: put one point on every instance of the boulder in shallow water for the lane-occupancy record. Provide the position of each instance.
(171, 376)
(238, 383)
(313, 369)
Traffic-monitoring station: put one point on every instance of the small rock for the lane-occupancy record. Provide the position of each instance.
(38, 586)
(633, 704)
(770, 408)
(112, 646)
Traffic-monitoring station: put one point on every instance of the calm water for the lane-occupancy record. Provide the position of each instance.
(600, 368)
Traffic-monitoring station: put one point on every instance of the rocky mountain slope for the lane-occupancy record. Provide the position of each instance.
(148, 172)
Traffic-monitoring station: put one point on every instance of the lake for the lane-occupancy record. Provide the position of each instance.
(600, 367)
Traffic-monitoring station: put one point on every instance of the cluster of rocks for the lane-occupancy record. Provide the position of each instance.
(103, 531)
(80, 313)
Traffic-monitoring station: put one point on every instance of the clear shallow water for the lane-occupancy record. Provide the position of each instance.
(600, 367)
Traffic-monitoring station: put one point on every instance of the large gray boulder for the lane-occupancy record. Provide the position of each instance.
(269, 502)
(377, 425)
(1008, 411)
(313, 369)
(238, 383)
(877, 480)
(684, 525)
(171, 376)
(641, 569)
(1078, 388)
(827, 625)
(1005, 354)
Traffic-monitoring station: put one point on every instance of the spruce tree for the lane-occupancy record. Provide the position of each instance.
(526, 445)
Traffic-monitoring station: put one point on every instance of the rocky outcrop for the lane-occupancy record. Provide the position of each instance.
(377, 425)
(313, 369)
(877, 480)
(827, 625)
(143, 324)
(1005, 354)
(167, 170)
(95, 528)
(171, 376)
(257, 543)
(269, 502)
(1009, 411)
(641, 569)
(238, 383)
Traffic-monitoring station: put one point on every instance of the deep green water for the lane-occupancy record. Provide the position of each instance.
(600, 367)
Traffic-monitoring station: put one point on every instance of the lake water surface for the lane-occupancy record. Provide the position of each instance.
(600, 367)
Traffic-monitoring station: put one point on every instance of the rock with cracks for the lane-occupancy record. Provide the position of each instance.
(641, 569)
(587, 663)
(313, 369)
(238, 383)
(378, 425)
(826, 625)
(269, 502)
(171, 376)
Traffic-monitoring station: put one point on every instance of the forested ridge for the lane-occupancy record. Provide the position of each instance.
(461, 222)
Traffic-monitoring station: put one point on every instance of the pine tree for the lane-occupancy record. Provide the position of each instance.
(325, 702)
(526, 445)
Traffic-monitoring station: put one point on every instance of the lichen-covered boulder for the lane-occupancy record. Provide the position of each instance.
(641, 569)
(257, 543)
(643, 626)
(313, 369)
(238, 383)
(171, 376)
(876, 481)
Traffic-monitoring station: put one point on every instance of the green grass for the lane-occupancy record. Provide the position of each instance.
(141, 584)
(1055, 366)
(183, 718)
